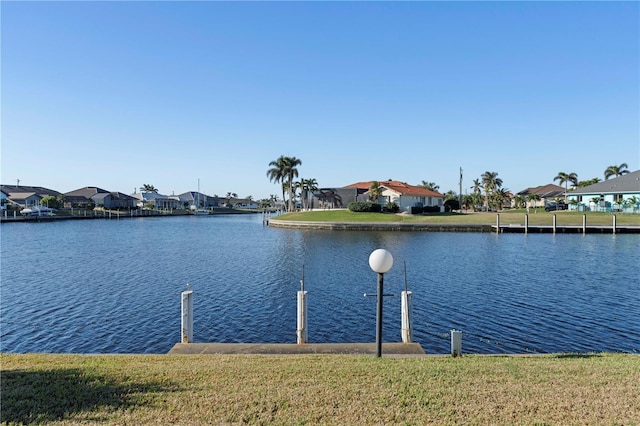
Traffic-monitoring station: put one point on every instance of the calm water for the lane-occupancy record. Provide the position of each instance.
(103, 286)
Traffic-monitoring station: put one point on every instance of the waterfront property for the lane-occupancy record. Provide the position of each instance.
(404, 195)
(620, 194)
(507, 293)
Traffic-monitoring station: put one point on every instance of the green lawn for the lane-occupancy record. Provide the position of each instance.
(538, 217)
(320, 389)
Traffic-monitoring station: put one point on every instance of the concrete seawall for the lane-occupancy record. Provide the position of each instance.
(378, 226)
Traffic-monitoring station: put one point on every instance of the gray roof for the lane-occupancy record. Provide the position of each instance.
(43, 192)
(625, 184)
(544, 191)
(86, 192)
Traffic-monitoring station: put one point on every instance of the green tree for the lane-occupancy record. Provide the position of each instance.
(532, 198)
(277, 172)
(566, 178)
(375, 191)
(615, 171)
(518, 201)
(583, 183)
(307, 186)
(284, 169)
(490, 182)
(50, 201)
(148, 188)
(430, 186)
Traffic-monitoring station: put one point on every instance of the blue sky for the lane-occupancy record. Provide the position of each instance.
(121, 94)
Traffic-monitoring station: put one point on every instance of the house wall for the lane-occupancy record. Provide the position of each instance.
(405, 202)
(604, 202)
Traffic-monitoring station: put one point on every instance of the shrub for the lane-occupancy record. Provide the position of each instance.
(417, 209)
(451, 205)
(431, 209)
(364, 206)
(391, 207)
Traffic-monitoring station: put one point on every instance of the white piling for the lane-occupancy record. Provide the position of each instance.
(301, 331)
(584, 224)
(614, 224)
(456, 343)
(554, 223)
(406, 317)
(498, 223)
(187, 316)
(526, 223)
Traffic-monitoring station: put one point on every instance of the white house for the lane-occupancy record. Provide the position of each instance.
(404, 195)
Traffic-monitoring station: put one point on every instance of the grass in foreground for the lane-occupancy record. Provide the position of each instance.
(539, 217)
(308, 389)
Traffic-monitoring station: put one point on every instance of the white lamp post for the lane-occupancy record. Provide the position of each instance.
(380, 261)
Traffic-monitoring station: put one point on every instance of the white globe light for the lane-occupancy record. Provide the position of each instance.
(380, 261)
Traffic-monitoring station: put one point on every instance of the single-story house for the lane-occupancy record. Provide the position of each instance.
(617, 194)
(197, 200)
(26, 196)
(82, 197)
(404, 195)
(159, 201)
(243, 203)
(115, 200)
(547, 193)
(92, 196)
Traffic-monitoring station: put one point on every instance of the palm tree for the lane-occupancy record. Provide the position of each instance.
(283, 170)
(307, 186)
(477, 186)
(565, 178)
(532, 197)
(430, 186)
(491, 182)
(290, 170)
(616, 171)
(277, 172)
(518, 201)
(375, 191)
(148, 188)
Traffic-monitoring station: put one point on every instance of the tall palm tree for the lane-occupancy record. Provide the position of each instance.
(375, 191)
(277, 172)
(291, 171)
(430, 185)
(532, 197)
(308, 186)
(148, 188)
(616, 171)
(491, 182)
(477, 186)
(565, 178)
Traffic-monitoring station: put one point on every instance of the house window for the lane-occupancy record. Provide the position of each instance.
(617, 198)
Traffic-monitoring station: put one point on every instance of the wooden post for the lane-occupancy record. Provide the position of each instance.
(526, 223)
(554, 223)
(302, 318)
(498, 223)
(584, 224)
(614, 224)
(406, 317)
(456, 343)
(187, 316)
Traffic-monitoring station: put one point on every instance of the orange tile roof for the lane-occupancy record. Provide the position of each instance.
(399, 187)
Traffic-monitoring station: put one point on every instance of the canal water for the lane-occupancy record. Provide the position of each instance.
(113, 286)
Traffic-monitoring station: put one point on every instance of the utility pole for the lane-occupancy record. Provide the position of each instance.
(460, 196)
